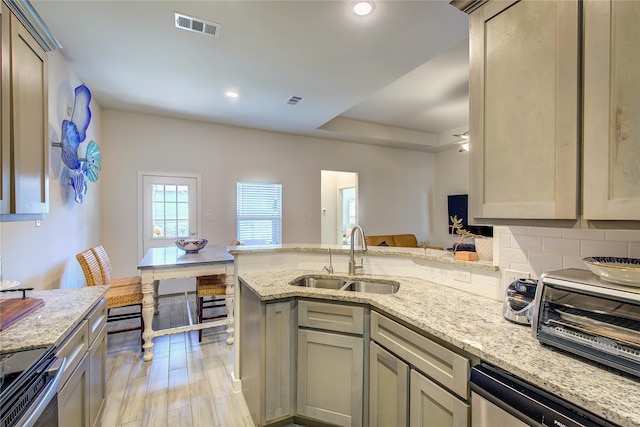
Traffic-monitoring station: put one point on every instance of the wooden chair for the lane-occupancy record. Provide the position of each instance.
(210, 292)
(123, 292)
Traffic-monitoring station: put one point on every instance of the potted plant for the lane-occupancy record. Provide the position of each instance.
(462, 237)
(425, 245)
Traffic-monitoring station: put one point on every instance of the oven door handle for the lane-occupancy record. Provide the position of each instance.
(48, 394)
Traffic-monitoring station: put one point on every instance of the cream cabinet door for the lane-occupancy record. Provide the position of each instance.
(524, 110)
(611, 110)
(97, 377)
(73, 398)
(432, 406)
(330, 377)
(388, 388)
(29, 123)
(279, 358)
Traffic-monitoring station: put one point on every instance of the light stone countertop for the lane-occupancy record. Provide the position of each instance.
(50, 324)
(476, 325)
(434, 255)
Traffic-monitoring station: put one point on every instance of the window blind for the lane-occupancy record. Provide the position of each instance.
(259, 213)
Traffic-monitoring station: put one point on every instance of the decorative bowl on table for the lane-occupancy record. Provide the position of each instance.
(191, 246)
(622, 271)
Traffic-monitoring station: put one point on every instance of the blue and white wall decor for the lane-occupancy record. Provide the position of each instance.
(74, 133)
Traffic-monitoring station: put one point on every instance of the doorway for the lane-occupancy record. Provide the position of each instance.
(339, 204)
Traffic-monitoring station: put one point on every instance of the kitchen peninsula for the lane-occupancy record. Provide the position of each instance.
(426, 303)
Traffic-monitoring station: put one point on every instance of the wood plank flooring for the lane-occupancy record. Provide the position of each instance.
(186, 384)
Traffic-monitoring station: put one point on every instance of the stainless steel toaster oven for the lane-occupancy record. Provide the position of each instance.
(577, 312)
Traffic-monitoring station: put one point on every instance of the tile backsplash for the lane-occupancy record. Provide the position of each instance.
(538, 249)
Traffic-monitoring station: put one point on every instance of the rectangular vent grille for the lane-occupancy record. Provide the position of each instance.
(294, 100)
(197, 25)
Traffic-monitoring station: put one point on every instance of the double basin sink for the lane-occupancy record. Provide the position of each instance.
(349, 284)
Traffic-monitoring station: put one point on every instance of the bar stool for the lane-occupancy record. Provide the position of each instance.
(123, 292)
(211, 291)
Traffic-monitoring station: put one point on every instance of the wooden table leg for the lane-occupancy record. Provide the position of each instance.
(147, 316)
(229, 303)
(156, 286)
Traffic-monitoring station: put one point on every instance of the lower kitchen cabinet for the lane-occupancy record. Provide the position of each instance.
(388, 388)
(267, 357)
(279, 360)
(97, 377)
(73, 397)
(432, 406)
(330, 377)
(400, 394)
(83, 386)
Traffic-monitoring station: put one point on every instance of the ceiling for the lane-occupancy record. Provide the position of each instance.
(398, 77)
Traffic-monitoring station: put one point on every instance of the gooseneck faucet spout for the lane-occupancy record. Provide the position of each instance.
(353, 267)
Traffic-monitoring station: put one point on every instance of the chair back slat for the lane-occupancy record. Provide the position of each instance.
(105, 265)
(90, 268)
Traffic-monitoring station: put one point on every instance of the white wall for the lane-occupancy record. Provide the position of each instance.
(44, 257)
(452, 177)
(396, 187)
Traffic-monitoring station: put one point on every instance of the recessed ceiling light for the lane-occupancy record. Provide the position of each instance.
(231, 94)
(362, 8)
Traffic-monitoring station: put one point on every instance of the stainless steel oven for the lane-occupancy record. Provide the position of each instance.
(28, 388)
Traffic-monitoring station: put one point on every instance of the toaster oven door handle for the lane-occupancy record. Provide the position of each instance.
(46, 396)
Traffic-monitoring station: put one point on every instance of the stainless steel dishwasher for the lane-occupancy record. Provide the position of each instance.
(500, 399)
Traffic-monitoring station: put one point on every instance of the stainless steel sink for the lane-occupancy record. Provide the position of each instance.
(314, 282)
(341, 284)
(372, 287)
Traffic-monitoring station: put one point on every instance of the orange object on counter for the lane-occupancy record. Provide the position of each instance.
(467, 256)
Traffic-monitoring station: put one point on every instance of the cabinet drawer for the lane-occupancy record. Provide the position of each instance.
(331, 317)
(97, 319)
(74, 348)
(444, 366)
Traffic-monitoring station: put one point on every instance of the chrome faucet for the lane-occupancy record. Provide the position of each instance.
(353, 267)
(330, 268)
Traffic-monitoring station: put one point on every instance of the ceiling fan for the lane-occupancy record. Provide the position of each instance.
(464, 142)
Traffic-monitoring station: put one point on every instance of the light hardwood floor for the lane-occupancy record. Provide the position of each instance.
(186, 384)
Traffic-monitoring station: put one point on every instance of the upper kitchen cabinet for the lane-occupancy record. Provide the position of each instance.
(24, 122)
(611, 186)
(524, 110)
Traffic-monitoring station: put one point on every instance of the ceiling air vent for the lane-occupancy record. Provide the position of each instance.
(197, 25)
(294, 100)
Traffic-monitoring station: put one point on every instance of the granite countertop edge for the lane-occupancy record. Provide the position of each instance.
(429, 255)
(475, 325)
(50, 324)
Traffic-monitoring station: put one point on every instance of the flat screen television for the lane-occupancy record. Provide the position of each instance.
(458, 205)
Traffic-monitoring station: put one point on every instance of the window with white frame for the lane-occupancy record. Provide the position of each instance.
(259, 213)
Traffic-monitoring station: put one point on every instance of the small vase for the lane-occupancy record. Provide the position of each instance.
(484, 248)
